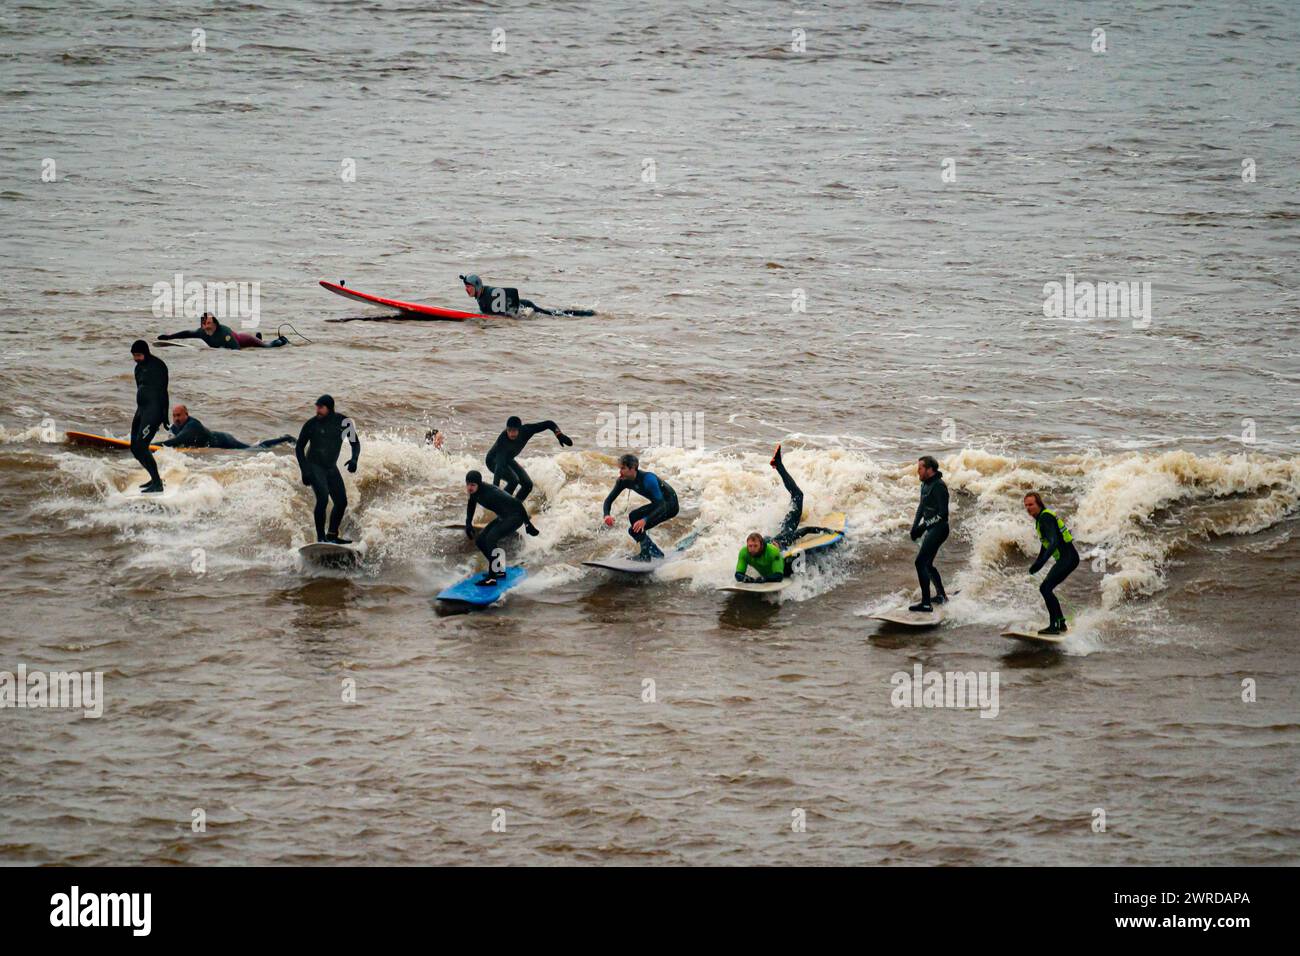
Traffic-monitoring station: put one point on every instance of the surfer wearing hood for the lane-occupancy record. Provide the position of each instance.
(931, 526)
(317, 451)
(150, 410)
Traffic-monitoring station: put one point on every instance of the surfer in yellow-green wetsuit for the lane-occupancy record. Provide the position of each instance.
(766, 555)
(1057, 543)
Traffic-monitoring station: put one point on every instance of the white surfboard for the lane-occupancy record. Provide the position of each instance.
(757, 587)
(902, 616)
(329, 555)
(633, 565)
(1033, 637)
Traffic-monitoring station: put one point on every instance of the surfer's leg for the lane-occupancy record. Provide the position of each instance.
(525, 483)
(925, 570)
(338, 492)
(1061, 570)
(320, 488)
(141, 437)
(489, 540)
(272, 442)
(226, 440)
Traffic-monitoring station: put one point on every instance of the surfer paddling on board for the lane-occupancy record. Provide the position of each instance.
(662, 506)
(220, 336)
(1058, 544)
(188, 432)
(510, 516)
(501, 456)
(150, 410)
(317, 451)
(765, 555)
(931, 526)
(495, 300)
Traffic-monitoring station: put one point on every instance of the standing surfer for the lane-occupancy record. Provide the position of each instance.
(317, 451)
(150, 410)
(931, 526)
(510, 515)
(220, 336)
(662, 506)
(1058, 544)
(509, 444)
(766, 555)
(496, 300)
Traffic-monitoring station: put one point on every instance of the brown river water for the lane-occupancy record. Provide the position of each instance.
(776, 256)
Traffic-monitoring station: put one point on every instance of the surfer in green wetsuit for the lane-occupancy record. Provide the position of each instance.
(766, 555)
(1057, 543)
(496, 300)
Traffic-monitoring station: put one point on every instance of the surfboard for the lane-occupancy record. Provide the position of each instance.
(329, 555)
(1033, 637)
(636, 565)
(469, 591)
(101, 441)
(902, 616)
(408, 309)
(757, 587)
(172, 344)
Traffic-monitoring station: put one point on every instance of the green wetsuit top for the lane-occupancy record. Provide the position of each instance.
(769, 563)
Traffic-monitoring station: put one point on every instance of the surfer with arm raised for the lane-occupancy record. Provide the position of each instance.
(509, 444)
(764, 555)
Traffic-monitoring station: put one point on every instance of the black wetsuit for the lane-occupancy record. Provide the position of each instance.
(790, 530)
(662, 506)
(193, 434)
(222, 338)
(494, 300)
(151, 405)
(1067, 559)
(510, 517)
(317, 451)
(501, 458)
(931, 526)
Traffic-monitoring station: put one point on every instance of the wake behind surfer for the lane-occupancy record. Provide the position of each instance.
(188, 432)
(930, 525)
(150, 410)
(501, 456)
(767, 555)
(662, 506)
(498, 300)
(1058, 544)
(218, 336)
(510, 516)
(317, 452)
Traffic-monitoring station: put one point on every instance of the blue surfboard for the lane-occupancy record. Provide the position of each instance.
(470, 591)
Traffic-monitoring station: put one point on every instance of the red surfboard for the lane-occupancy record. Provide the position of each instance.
(409, 309)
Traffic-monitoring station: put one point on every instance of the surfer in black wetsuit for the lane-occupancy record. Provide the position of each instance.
(495, 300)
(501, 456)
(931, 526)
(150, 410)
(188, 432)
(218, 336)
(757, 552)
(1057, 543)
(510, 516)
(662, 506)
(317, 451)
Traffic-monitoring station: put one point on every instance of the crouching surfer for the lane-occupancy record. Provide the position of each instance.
(508, 446)
(766, 555)
(510, 516)
(662, 506)
(317, 452)
(930, 525)
(188, 432)
(150, 410)
(1058, 544)
(497, 300)
(218, 336)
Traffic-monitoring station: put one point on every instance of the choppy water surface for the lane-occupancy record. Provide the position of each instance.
(1171, 445)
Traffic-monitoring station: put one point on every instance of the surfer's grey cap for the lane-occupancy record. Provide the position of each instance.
(474, 281)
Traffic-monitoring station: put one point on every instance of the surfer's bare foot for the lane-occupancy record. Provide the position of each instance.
(776, 457)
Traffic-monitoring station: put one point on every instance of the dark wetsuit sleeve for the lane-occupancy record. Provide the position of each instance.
(187, 334)
(189, 435)
(1049, 530)
(300, 450)
(350, 433)
(496, 460)
(528, 431)
(471, 506)
(619, 487)
(915, 531)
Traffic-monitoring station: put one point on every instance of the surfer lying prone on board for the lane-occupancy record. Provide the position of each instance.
(662, 506)
(220, 336)
(494, 300)
(764, 555)
(1057, 543)
(510, 516)
(188, 432)
(317, 452)
(501, 456)
(931, 526)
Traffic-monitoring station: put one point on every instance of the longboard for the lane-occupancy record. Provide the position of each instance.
(469, 591)
(642, 566)
(170, 344)
(329, 555)
(906, 618)
(101, 441)
(808, 544)
(1033, 637)
(408, 309)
